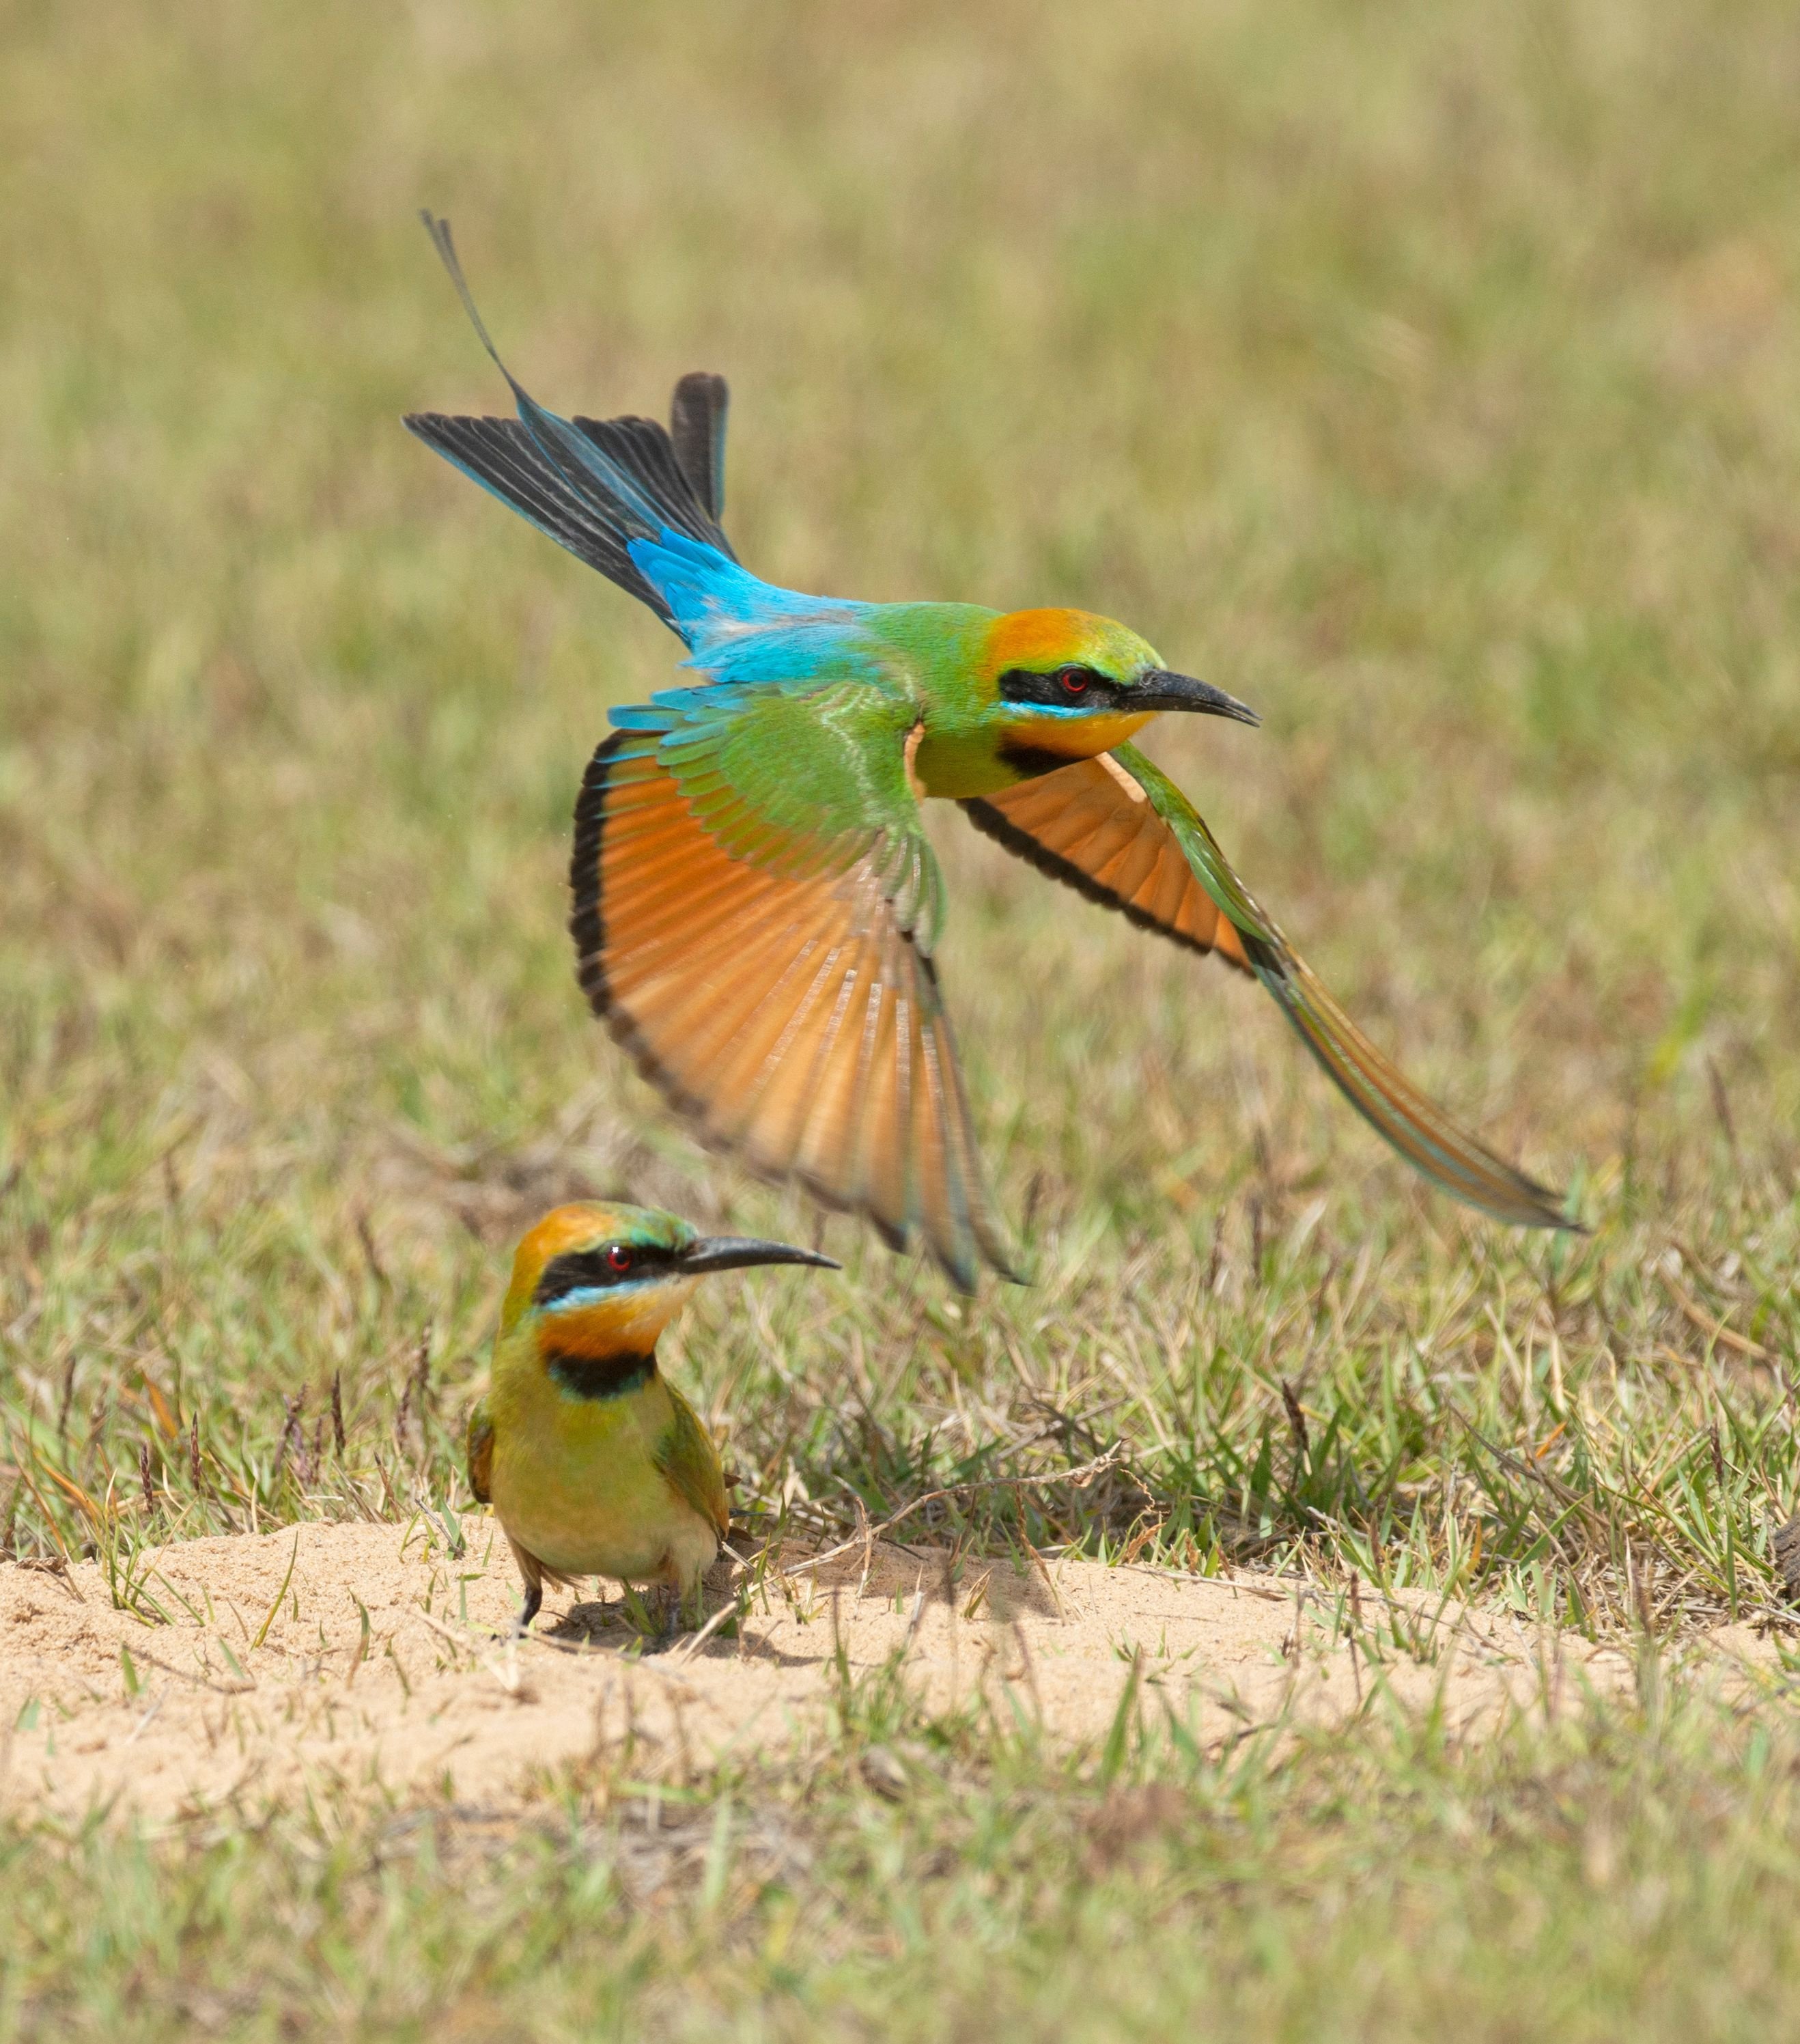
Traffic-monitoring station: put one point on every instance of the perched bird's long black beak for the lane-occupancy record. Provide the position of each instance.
(1160, 689)
(740, 1252)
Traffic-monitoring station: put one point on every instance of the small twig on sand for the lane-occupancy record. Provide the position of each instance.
(506, 1673)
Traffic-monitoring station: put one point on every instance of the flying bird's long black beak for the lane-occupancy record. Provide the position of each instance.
(740, 1252)
(1160, 689)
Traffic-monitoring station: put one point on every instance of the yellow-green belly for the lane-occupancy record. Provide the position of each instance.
(574, 1482)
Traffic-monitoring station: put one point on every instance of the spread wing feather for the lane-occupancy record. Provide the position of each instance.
(1121, 833)
(1091, 825)
(773, 982)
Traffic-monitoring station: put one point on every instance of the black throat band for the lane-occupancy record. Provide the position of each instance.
(1033, 761)
(600, 1376)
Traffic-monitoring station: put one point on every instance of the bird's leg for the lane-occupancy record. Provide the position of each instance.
(533, 1575)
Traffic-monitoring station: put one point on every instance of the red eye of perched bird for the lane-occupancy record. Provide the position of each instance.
(1075, 679)
(619, 1257)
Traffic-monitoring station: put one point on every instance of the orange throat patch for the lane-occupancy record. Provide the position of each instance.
(1039, 744)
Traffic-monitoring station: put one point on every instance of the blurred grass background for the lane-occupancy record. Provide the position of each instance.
(1429, 378)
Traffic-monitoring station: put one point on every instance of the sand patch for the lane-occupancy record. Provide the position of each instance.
(365, 1657)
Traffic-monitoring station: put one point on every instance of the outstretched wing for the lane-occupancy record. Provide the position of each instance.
(755, 905)
(1123, 834)
(1092, 826)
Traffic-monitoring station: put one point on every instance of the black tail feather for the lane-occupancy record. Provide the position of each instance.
(645, 452)
(502, 456)
(697, 425)
(593, 485)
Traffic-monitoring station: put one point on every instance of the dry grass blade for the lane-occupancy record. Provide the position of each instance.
(1712, 1327)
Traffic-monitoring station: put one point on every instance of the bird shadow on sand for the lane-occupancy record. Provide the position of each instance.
(608, 1624)
(596, 1621)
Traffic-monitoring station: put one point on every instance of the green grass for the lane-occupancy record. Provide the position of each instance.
(1627, 1873)
(1429, 378)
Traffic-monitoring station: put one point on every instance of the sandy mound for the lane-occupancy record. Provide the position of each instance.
(365, 1656)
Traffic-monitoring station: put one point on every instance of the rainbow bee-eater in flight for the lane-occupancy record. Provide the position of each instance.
(756, 904)
(594, 1463)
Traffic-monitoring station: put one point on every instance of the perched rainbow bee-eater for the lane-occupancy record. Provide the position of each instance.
(756, 903)
(594, 1463)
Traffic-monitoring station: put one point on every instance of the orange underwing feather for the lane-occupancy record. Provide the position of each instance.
(787, 1014)
(1117, 830)
(1079, 824)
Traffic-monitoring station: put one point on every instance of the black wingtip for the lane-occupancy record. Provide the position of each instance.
(1552, 1208)
(965, 1274)
(1552, 1224)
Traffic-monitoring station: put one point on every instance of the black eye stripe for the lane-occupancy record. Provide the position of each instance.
(1070, 682)
(589, 1270)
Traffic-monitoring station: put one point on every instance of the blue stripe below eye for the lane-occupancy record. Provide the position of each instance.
(1099, 708)
(596, 1295)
